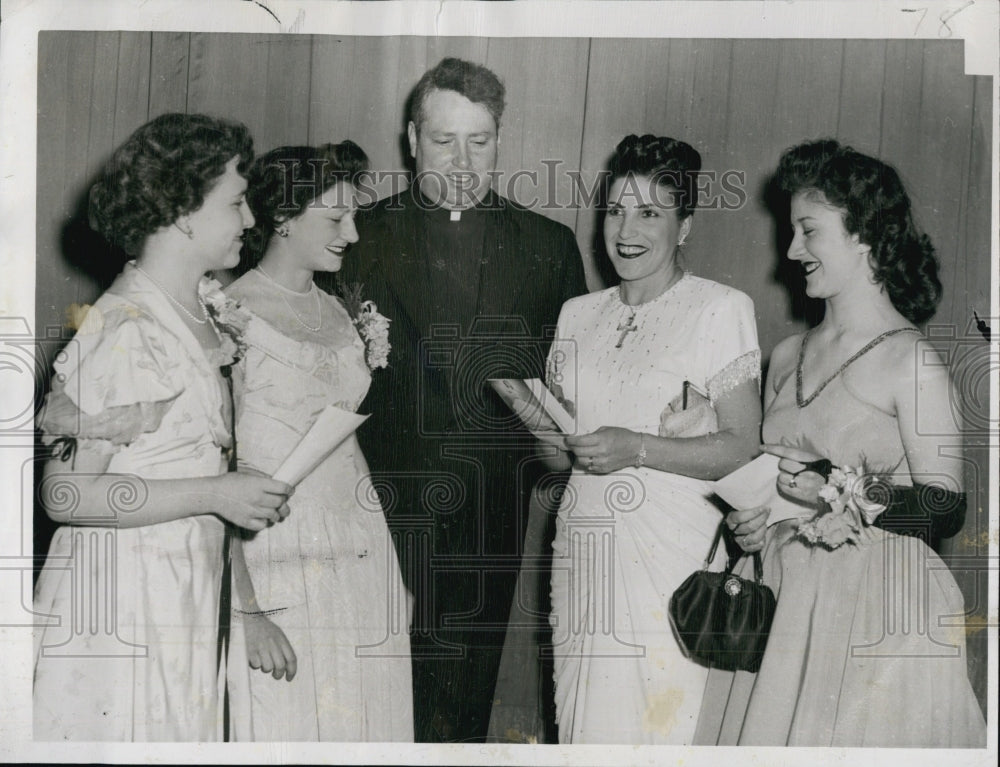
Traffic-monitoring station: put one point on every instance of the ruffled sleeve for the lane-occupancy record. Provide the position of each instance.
(729, 336)
(113, 381)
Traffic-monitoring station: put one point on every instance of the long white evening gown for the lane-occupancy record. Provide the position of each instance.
(625, 541)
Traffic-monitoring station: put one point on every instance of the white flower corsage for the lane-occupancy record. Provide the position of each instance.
(230, 320)
(372, 326)
(846, 509)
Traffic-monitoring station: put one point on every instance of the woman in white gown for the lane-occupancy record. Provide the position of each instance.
(635, 519)
(128, 650)
(320, 603)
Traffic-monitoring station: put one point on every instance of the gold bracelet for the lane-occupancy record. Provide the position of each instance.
(640, 458)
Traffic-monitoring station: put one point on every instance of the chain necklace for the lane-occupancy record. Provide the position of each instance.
(312, 289)
(629, 325)
(803, 402)
(178, 304)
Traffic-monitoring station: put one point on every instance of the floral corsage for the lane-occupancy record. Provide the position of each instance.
(372, 326)
(847, 509)
(229, 318)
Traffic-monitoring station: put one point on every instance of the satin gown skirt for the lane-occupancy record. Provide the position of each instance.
(330, 571)
(867, 649)
(327, 574)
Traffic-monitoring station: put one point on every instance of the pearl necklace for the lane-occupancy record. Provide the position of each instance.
(178, 304)
(312, 289)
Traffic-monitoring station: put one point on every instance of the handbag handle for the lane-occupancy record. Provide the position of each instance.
(715, 546)
(758, 565)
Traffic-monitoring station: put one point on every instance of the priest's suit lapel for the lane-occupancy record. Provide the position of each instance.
(501, 272)
(405, 272)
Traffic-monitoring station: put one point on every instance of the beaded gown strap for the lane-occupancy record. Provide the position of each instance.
(804, 401)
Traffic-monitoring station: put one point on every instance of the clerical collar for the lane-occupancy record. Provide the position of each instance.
(443, 215)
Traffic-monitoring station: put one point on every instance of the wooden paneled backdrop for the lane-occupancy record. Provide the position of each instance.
(570, 100)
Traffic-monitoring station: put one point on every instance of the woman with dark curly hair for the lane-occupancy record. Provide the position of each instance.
(321, 604)
(140, 419)
(862, 651)
(663, 371)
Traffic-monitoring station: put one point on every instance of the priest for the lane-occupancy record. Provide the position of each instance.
(472, 284)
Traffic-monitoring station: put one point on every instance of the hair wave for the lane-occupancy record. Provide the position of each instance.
(875, 207)
(283, 182)
(163, 171)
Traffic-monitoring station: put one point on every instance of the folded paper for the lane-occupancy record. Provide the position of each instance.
(332, 427)
(755, 484)
(537, 407)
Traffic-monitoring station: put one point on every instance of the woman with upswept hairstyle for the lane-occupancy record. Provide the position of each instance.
(662, 371)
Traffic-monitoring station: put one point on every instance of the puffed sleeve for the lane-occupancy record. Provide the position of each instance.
(729, 337)
(113, 381)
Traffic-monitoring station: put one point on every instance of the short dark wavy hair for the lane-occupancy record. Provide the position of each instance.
(477, 83)
(876, 208)
(162, 172)
(668, 161)
(283, 182)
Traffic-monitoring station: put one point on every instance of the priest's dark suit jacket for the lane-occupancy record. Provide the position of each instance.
(453, 467)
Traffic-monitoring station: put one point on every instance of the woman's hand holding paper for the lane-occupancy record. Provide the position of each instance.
(251, 501)
(606, 450)
(749, 526)
(801, 473)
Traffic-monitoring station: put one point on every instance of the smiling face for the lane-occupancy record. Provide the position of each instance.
(641, 230)
(217, 226)
(455, 150)
(831, 257)
(324, 229)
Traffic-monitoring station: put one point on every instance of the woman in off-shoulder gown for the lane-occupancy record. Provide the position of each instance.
(321, 607)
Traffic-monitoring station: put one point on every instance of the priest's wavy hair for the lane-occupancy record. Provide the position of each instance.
(474, 81)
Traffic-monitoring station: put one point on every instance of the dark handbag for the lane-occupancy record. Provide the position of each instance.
(720, 619)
